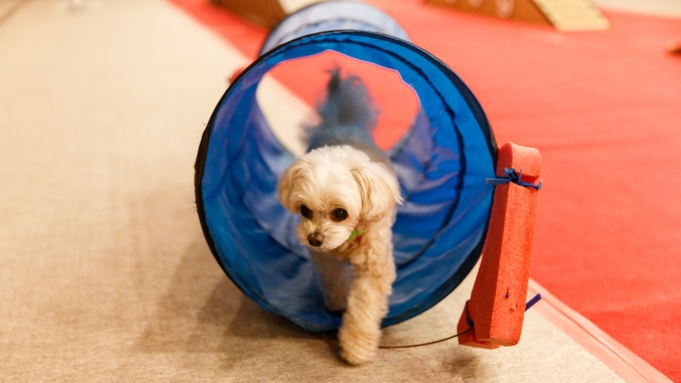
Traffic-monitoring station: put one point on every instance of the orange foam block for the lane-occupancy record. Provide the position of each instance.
(497, 303)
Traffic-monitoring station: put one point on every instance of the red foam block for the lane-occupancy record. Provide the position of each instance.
(497, 304)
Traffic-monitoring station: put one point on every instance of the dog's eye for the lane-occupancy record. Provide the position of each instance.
(305, 212)
(339, 215)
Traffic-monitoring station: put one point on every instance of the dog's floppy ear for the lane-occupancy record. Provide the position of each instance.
(379, 188)
(287, 181)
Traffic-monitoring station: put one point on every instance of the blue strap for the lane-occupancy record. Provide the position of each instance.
(528, 305)
(532, 302)
(512, 176)
(469, 321)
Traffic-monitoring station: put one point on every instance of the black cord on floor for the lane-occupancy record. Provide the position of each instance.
(427, 343)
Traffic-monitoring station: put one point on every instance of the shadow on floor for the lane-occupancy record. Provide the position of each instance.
(203, 311)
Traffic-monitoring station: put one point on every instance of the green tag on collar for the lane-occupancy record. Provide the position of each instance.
(355, 234)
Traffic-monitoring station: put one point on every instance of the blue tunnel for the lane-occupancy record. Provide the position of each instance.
(442, 163)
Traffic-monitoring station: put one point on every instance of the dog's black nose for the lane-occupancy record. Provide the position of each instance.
(315, 239)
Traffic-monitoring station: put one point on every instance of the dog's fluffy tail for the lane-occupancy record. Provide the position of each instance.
(347, 103)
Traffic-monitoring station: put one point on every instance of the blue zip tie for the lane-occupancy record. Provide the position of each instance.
(469, 321)
(528, 306)
(532, 302)
(511, 176)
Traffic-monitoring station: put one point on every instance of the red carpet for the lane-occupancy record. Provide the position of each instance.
(604, 108)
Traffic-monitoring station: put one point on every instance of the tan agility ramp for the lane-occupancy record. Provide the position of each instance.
(264, 12)
(564, 15)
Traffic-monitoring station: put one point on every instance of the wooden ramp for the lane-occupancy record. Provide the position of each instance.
(264, 12)
(564, 15)
(573, 15)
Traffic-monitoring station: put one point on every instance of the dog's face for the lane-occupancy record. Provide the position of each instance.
(334, 189)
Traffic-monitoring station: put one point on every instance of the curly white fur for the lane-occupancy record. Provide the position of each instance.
(342, 177)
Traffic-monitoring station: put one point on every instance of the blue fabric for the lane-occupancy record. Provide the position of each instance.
(332, 16)
(442, 166)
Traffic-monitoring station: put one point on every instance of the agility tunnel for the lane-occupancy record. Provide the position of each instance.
(442, 164)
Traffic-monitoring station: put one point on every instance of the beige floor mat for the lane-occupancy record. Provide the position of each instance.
(104, 273)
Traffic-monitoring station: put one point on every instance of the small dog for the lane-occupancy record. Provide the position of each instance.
(346, 191)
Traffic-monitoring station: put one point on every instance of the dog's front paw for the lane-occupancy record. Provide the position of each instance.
(357, 357)
(358, 347)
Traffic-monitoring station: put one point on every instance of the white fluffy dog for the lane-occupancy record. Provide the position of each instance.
(346, 192)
